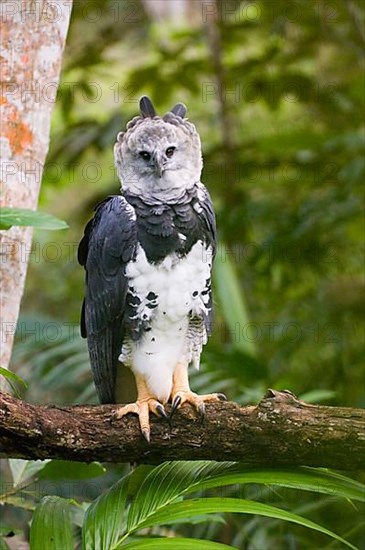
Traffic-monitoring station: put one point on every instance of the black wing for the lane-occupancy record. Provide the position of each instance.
(206, 213)
(109, 243)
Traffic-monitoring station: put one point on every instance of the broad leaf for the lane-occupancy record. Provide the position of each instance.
(168, 481)
(105, 519)
(174, 544)
(304, 479)
(209, 505)
(155, 493)
(51, 527)
(22, 470)
(26, 217)
(202, 518)
(172, 479)
(65, 469)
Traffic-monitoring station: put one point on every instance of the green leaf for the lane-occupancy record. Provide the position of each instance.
(51, 527)
(65, 469)
(165, 483)
(317, 396)
(104, 519)
(26, 217)
(231, 300)
(232, 505)
(158, 489)
(9, 375)
(22, 470)
(168, 481)
(174, 544)
(12, 378)
(202, 518)
(305, 478)
(3, 545)
(172, 479)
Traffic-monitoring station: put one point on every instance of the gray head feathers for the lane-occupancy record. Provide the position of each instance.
(158, 157)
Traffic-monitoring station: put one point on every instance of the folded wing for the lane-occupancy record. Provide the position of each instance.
(109, 243)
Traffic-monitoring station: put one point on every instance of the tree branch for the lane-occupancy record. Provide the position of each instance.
(279, 431)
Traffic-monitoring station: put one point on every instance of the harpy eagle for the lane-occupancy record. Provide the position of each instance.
(148, 256)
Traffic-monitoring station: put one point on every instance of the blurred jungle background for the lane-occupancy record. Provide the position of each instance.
(276, 91)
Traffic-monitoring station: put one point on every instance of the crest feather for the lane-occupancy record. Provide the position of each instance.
(179, 110)
(146, 107)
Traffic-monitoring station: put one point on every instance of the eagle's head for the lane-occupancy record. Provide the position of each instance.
(158, 158)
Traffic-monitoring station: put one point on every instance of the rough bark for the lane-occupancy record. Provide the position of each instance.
(279, 431)
(33, 36)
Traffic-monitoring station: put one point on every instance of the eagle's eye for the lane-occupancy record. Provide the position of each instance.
(170, 151)
(145, 155)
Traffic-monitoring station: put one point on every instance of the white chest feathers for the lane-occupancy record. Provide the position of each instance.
(178, 285)
(168, 295)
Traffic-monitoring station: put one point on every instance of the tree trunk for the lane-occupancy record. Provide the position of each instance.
(280, 431)
(33, 38)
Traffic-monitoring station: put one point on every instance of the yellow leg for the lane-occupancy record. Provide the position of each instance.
(181, 392)
(145, 404)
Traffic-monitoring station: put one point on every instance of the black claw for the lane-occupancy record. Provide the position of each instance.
(146, 435)
(201, 409)
(175, 404)
(160, 409)
(221, 397)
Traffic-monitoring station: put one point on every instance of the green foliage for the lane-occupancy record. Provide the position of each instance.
(148, 497)
(23, 470)
(22, 490)
(104, 519)
(174, 543)
(62, 469)
(51, 353)
(25, 217)
(189, 508)
(13, 379)
(277, 99)
(51, 527)
(287, 186)
(231, 300)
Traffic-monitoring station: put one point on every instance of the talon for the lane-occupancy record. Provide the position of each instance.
(142, 408)
(201, 409)
(181, 392)
(161, 410)
(175, 404)
(146, 434)
(197, 401)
